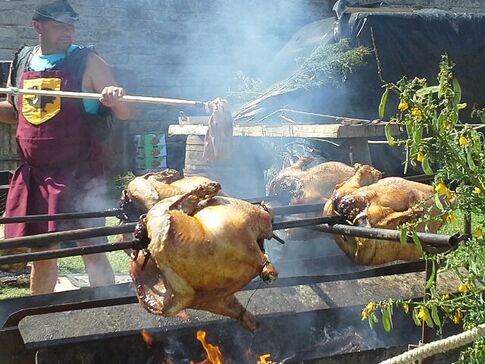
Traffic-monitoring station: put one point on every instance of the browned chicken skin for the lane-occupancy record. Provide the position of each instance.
(311, 185)
(204, 248)
(388, 203)
(301, 185)
(145, 191)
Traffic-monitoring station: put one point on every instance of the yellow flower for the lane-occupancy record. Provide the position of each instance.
(403, 106)
(477, 190)
(423, 314)
(441, 188)
(418, 114)
(445, 297)
(406, 307)
(451, 218)
(420, 157)
(479, 232)
(457, 317)
(370, 308)
(463, 288)
(463, 141)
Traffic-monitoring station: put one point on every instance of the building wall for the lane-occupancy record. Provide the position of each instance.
(190, 49)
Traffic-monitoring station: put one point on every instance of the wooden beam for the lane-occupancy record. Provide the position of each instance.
(330, 131)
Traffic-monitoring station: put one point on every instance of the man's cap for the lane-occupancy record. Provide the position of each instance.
(55, 10)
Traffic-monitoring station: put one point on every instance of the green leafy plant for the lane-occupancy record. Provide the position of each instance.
(436, 139)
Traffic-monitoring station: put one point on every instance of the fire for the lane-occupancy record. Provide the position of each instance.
(147, 338)
(262, 359)
(214, 355)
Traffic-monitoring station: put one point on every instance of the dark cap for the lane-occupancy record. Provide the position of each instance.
(55, 10)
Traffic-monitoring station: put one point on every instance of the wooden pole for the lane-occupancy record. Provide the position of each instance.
(96, 96)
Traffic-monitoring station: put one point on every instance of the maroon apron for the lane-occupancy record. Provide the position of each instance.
(59, 154)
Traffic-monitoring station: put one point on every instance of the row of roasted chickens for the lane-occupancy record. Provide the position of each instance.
(203, 246)
(363, 197)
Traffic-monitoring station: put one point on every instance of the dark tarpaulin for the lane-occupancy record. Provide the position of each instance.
(411, 43)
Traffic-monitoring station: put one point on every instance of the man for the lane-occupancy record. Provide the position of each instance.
(61, 155)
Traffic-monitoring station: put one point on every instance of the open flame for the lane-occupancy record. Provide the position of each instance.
(214, 355)
(147, 338)
(262, 359)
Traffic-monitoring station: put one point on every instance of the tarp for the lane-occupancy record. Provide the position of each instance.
(412, 43)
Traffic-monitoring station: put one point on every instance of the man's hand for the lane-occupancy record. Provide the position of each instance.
(111, 95)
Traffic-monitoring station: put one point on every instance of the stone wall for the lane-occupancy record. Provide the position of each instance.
(189, 49)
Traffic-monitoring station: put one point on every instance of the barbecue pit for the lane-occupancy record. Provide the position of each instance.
(305, 317)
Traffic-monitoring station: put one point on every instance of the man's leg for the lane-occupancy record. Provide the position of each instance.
(99, 269)
(43, 276)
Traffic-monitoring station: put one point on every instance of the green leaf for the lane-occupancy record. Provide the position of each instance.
(435, 316)
(431, 279)
(373, 320)
(437, 201)
(441, 87)
(441, 122)
(462, 106)
(389, 137)
(418, 134)
(403, 237)
(386, 319)
(425, 164)
(469, 159)
(416, 319)
(383, 103)
(427, 90)
(417, 241)
(429, 322)
(457, 90)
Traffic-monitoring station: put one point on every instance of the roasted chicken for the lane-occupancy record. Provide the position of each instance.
(298, 184)
(387, 203)
(203, 248)
(145, 191)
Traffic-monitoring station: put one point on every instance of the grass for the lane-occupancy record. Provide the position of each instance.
(70, 265)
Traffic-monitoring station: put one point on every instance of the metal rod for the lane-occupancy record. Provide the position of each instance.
(400, 268)
(287, 224)
(432, 243)
(78, 234)
(297, 209)
(278, 210)
(67, 252)
(63, 216)
(61, 236)
(96, 96)
(256, 200)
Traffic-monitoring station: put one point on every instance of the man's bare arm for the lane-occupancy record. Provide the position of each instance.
(99, 78)
(8, 115)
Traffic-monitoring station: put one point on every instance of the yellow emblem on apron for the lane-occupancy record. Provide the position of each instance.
(39, 109)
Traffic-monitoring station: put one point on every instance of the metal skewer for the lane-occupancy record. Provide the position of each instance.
(277, 210)
(63, 216)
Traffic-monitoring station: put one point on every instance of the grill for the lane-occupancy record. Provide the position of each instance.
(307, 316)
